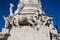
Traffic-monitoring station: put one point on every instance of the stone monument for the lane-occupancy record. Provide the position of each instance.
(29, 22)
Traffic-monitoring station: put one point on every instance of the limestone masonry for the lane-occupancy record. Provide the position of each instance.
(28, 22)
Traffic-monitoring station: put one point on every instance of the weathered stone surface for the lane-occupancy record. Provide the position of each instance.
(29, 22)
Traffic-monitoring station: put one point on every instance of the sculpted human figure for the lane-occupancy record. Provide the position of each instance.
(20, 6)
(29, 19)
(34, 21)
(15, 21)
(6, 21)
(11, 6)
(46, 20)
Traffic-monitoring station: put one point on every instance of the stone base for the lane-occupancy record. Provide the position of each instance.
(28, 33)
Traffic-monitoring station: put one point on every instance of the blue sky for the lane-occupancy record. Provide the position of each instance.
(51, 7)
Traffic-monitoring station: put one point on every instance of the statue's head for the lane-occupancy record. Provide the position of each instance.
(11, 5)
